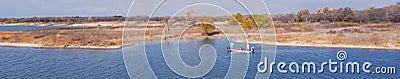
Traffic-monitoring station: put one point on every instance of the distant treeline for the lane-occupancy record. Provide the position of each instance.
(80, 19)
(75, 19)
(389, 13)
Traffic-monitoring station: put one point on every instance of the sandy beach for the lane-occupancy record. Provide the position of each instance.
(44, 46)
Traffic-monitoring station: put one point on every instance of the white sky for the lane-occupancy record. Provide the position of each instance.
(31, 8)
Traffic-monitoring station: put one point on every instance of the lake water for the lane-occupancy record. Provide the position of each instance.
(84, 63)
(189, 53)
(61, 63)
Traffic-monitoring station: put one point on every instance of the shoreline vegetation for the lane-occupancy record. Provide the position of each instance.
(345, 37)
(372, 28)
(82, 38)
(111, 37)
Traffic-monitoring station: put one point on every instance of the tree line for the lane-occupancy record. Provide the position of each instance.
(389, 13)
(249, 21)
(75, 19)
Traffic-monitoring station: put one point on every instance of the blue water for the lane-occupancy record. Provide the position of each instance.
(83, 63)
(61, 63)
(189, 52)
(382, 58)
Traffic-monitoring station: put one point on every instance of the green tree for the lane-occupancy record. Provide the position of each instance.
(303, 15)
(261, 20)
(232, 21)
(238, 16)
(251, 21)
(9, 21)
(206, 23)
(236, 19)
(172, 21)
(248, 23)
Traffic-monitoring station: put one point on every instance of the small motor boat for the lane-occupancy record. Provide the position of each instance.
(241, 50)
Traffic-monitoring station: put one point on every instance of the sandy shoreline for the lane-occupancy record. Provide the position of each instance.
(7, 44)
(267, 43)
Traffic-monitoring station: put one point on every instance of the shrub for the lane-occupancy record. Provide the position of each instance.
(207, 28)
(299, 24)
(11, 21)
(277, 24)
(346, 24)
(308, 29)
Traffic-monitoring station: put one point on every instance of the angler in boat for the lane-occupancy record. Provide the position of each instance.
(241, 50)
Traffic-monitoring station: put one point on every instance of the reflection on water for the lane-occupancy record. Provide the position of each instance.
(208, 41)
